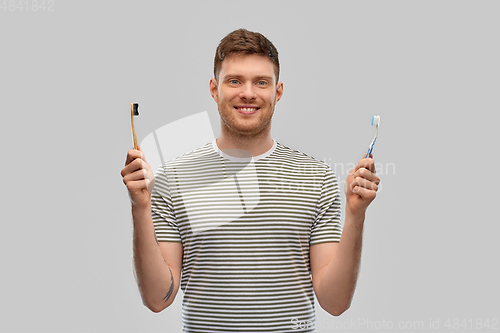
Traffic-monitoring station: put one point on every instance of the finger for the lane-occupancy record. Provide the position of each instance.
(137, 182)
(136, 164)
(137, 185)
(133, 154)
(134, 176)
(132, 166)
(353, 171)
(145, 168)
(363, 183)
(140, 179)
(367, 174)
(364, 193)
(367, 163)
(143, 155)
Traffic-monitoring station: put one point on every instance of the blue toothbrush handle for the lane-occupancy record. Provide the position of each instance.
(370, 149)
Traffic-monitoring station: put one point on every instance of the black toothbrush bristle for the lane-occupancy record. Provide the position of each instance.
(136, 109)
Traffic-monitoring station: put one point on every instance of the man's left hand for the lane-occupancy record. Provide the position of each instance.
(361, 186)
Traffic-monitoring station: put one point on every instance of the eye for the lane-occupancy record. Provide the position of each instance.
(262, 83)
(233, 81)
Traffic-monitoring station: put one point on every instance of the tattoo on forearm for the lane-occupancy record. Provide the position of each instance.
(171, 290)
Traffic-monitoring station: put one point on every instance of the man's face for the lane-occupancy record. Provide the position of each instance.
(246, 94)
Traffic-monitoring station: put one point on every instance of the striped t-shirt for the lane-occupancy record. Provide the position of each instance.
(246, 225)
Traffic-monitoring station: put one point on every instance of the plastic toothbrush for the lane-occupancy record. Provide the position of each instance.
(376, 122)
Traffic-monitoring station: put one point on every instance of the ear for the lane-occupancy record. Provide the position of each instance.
(214, 90)
(279, 91)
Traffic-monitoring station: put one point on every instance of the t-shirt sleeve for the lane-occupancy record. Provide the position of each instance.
(327, 226)
(162, 210)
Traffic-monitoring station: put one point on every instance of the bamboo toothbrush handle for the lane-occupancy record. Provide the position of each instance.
(133, 128)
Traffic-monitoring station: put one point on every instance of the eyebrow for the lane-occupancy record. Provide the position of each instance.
(237, 76)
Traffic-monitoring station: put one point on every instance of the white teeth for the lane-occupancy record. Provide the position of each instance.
(248, 109)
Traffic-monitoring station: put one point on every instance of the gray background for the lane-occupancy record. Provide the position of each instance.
(430, 69)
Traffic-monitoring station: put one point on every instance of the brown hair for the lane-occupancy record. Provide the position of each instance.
(242, 41)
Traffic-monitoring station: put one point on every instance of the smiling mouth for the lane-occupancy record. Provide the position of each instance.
(247, 109)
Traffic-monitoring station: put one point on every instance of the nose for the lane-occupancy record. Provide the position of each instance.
(247, 91)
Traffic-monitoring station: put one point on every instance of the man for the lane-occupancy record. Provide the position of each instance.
(246, 219)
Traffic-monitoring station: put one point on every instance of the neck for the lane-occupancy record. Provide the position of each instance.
(255, 145)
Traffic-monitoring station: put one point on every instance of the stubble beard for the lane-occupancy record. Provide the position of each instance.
(238, 132)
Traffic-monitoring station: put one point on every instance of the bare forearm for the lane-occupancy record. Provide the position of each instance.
(336, 276)
(339, 277)
(154, 276)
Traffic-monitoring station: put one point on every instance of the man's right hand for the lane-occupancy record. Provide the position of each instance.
(157, 265)
(138, 177)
